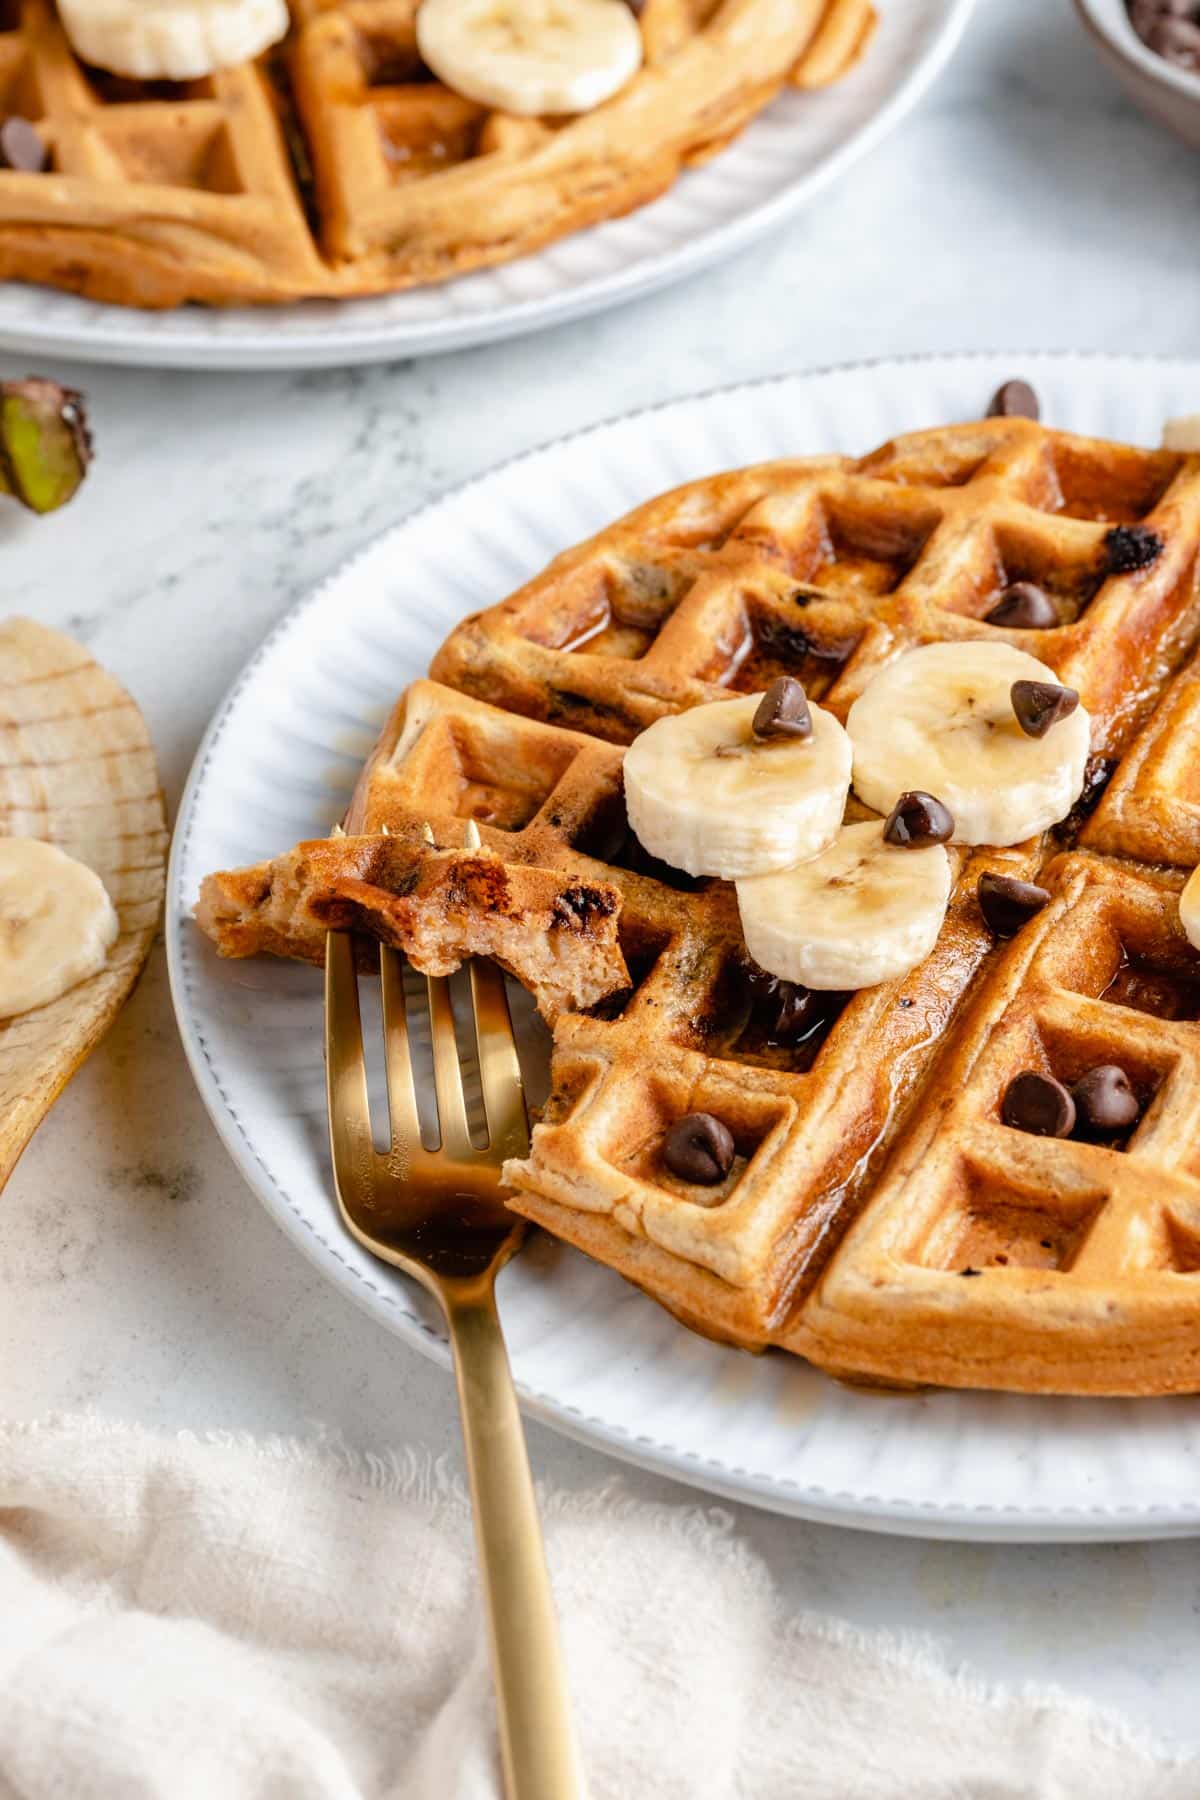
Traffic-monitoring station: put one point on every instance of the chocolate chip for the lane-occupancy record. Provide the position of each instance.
(1097, 773)
(576, 907)
(699, 1148)
(785, 1011)
(1024, 607)
(783, 711)
(21, 147)
(1041, 704)
(1014, 400)
(917, 820)
(1105, 1101)
(1128, 548)
(1038, 1104)
(966, 1272)
(1007, 904)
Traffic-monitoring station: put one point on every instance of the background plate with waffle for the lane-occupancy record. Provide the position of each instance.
(889, 1114)
(336, 169)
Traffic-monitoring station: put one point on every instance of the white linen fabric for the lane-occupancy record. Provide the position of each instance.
(222, 1620)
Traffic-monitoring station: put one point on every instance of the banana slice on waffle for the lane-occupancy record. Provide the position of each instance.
(719, 790)
(171, 40)
(984, 727)
(862, 912)
(531, 57)
(1189, 909)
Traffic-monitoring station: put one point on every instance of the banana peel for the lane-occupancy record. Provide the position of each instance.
(45, 445)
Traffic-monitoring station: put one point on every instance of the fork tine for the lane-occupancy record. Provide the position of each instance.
(345, 1068)
(499, 1067)
(401, 1089)
(447, 1072)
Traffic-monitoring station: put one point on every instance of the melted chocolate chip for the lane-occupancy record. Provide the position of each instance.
(1105, 1101)
(21, 147)
(785, 1011)
(576, 907)
(1024, 606)
(1014, 400)
(918, 820)
(1041, 704)
(1097, 772)
(699, 1148)
(1128, 548)
(1007, 904)
(783, 711)
(1038, 1104)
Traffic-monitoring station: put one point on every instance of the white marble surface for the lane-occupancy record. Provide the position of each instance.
(1026, 204)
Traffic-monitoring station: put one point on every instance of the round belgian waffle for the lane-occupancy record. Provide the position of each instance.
(880, 1217)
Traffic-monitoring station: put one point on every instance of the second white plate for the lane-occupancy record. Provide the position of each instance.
(593, 1356)
(801, 142)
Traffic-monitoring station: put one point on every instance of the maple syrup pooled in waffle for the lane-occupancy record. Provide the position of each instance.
(872, 1197)
(336, 165)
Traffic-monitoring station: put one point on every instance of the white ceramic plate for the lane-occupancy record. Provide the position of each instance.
(593, 1356)
(801, 142)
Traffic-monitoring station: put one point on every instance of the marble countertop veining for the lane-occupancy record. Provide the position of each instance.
(1026, 204)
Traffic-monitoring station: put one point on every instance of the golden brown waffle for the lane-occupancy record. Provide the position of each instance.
(824, 568)
(990, 1258)
(872, 1165)
(1151, 807)
(336, 166)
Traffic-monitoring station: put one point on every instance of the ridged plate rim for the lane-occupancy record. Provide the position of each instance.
(1136, 1461)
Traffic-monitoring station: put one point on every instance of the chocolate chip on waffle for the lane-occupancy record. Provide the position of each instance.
(871, 1165)
(335, 165)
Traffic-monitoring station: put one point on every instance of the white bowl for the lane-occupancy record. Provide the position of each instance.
(1166, 93)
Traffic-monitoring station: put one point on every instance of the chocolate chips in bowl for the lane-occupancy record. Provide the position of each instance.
(1149, 46)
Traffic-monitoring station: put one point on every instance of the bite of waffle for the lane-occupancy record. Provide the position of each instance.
(336, 165)
(879, 1203)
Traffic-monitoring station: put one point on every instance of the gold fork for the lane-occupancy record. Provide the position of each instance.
(438, 1216)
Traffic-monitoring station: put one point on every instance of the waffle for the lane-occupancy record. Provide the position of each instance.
(437, 902)
(335, 166)
(879, 1217)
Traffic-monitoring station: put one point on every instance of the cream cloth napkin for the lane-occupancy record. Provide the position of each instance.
(216, 1620)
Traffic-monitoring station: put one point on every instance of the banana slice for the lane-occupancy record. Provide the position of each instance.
(1182, 433)
(172, 40)
(941, 720)
(57, 924)
(705, 796)
(1189, 909)
(861, 912)
(531, 56)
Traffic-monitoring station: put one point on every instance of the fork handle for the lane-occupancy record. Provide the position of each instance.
(538, 1750)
